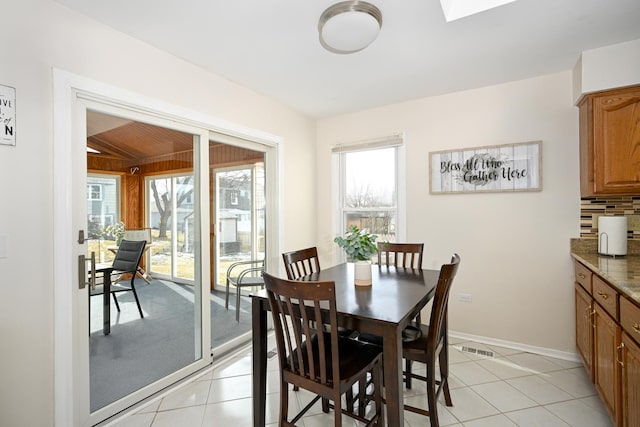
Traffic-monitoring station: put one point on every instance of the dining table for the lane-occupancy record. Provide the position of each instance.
(383, 308)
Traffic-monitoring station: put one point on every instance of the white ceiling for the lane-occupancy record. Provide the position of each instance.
(272, 47)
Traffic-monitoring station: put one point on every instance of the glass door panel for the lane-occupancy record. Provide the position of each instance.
(145, 176)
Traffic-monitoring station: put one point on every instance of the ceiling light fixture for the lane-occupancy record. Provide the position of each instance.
(349, 26)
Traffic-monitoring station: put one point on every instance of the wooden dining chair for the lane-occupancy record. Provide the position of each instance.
(318, 360)
(433, 346)
(405, 255)
(301, 263)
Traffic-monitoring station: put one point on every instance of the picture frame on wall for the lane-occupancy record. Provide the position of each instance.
(7, 115)
(495, 168)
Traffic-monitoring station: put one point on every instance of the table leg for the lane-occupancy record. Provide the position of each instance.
(259, 324)
(106, 304)
(393, 386)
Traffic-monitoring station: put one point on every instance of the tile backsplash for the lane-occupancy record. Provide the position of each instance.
(592, 207)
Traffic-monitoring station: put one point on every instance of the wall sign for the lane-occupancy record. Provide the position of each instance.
(7, 115)
(496, 168)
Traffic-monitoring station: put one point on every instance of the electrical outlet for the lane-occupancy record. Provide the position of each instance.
(465, 297)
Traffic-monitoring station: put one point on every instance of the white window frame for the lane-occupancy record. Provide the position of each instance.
(339, 187)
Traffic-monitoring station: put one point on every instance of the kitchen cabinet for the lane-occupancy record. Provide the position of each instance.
(630, 378)
(610, 142)
(584, 329)
(608, 341)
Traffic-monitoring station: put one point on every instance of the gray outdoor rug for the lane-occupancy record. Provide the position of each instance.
(141, 351)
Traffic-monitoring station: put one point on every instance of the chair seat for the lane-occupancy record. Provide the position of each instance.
(247, 281)
(409, 334)
(356, 357)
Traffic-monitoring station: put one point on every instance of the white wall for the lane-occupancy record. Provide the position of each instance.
(514, 246)
(37, 36)
(607, 68)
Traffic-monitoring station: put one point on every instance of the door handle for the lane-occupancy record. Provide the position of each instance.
(82, 271)
(81, 238)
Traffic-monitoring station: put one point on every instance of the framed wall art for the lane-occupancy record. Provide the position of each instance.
(7, 115)
(496, 168)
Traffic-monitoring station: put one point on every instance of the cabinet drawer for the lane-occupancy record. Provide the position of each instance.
(606, 296)
(583, 276)
(630, 318)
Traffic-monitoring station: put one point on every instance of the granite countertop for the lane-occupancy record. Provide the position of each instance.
(622, 272)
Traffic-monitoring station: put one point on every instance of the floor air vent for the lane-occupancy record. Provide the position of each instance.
(479, 352)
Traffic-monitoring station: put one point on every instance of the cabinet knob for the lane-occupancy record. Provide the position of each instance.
(636, 327)
(603, 295)
(581, 275)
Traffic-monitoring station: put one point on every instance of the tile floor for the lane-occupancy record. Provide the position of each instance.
(512, 388)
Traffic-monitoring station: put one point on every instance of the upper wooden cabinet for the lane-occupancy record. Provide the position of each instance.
(610, 142)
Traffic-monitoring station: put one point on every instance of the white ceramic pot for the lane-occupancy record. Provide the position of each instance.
(362, 273)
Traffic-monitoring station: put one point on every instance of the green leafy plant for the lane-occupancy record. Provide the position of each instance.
(358, 244)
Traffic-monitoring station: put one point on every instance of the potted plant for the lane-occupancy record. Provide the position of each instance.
(360, 246)
(115, 230)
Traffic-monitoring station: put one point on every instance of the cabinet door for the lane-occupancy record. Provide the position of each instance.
(616, 139)
(606, 368)
(630, 379)
(584, 328)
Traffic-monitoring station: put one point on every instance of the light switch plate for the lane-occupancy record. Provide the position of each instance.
(4, 246)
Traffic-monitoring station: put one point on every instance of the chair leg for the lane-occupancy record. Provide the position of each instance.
(444, 375)
(284, 403)
(226, 296)
(431, 394)
(135, 295)
(377, 393)
(237, 304)
(407, 369)
(115, 299)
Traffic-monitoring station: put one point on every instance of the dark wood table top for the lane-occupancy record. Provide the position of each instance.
(392, 297)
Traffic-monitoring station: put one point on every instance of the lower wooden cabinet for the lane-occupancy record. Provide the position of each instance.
(584, 328)
(606, 339)
(630, 379)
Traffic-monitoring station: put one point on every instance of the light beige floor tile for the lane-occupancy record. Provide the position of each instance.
(232, 413)
(444, 416)
(468, 405)
(503, 396)
(504, 368)
(189, 395)
(471, 373)
(577, 414)
(150, 407)
(503, 351)
(538, 364)
(135, 420)
(272, 412)
(191, 416)
(493, 421)
(231, 388)
(565, 364)
(573, 381)
(540, 390)
(456, 355)
(241, 366)
(535, 417)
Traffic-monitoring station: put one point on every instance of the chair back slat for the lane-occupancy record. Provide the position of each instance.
(301, 263)
(405, 255)
(300, 317)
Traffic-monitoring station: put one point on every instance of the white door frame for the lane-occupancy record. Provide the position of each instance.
(70, 407)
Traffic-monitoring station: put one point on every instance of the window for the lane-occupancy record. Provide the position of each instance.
(368, 187)
(94, 192)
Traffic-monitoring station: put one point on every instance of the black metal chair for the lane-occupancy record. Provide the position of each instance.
(126, 261)
(243, 274)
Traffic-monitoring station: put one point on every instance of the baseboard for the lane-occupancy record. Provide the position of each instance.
(543, 351)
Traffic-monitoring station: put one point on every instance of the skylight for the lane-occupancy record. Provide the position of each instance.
(456, 9)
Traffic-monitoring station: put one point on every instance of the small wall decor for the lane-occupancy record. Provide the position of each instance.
(7, 115)
(496, 168)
